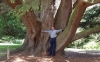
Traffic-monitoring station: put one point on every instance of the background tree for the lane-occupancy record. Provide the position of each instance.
(10, 25)
(40, 15)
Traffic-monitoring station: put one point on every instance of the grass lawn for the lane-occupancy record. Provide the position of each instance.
(3, 48)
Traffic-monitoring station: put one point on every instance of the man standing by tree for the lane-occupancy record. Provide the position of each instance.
(53, 34)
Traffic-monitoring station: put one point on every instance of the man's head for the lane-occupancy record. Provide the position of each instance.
(52, 28)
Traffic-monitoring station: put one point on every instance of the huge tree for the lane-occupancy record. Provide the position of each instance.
(38, 15)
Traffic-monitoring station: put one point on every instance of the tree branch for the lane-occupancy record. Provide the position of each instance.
(96, 1)
(92, 2)
(86, 33)
(90, 23)
(63, 14)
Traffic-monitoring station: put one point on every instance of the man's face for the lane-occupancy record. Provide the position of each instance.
(52, 28)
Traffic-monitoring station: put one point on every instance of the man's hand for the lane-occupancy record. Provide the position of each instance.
(42, 30)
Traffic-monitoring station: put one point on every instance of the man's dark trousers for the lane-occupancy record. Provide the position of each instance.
(52, 46)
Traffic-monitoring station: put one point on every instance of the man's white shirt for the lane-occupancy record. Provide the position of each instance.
(53, 33)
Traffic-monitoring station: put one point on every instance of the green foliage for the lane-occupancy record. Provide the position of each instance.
(92, 45)
(1, 25)
(21, 10)
(89, 42)
(91, 15)
(10, 39)
(35, 4)
(11, 26)
(26, 6)
(90, 0)
(12, 1)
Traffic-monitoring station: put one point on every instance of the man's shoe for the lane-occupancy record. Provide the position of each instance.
(53, 55)
(49, 55)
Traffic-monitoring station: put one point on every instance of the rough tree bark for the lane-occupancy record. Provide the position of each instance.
(63, 14)
(47, 22)
(64, 19)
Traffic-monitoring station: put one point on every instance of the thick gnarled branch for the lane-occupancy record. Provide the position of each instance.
(63, 14)
(86, 33)
(69, 32)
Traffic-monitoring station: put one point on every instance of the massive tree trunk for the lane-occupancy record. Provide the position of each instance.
(47, 22)
(65, 19)
(33, 26)
(63, 14)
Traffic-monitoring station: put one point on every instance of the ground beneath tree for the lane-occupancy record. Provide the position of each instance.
(71, 55)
